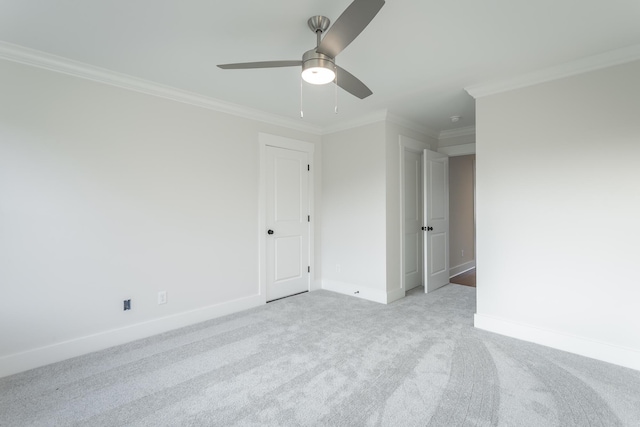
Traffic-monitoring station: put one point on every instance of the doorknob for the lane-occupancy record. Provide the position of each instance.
(269, 231)
(427, 228)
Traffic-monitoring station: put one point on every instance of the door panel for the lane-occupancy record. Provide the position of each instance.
(411, 248)
(436, 189)
(436, 219)
(412, 182)
(287, 253)
(438, 246)
(287, 188)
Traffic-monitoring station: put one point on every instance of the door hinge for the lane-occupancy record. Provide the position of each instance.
(309, 269)
(308, 218)
(309, 167)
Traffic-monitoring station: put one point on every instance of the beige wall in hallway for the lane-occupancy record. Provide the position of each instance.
(461, 213)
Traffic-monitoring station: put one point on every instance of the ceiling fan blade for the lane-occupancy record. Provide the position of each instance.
(263, 64)
(348, 26)
(351, 83)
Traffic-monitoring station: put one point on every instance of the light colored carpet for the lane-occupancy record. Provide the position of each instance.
(327, 359)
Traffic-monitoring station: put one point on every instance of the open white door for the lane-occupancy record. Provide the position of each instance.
(287, 205)
(436, 220)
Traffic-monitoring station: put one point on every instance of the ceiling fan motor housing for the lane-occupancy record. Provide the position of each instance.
(311, 58)
(318, 63)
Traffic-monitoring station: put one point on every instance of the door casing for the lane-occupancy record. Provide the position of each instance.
(264, 140)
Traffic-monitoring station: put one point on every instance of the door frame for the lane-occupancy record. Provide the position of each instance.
(406, 143)
(269, 140)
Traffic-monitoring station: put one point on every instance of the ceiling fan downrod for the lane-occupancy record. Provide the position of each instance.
(318, 24)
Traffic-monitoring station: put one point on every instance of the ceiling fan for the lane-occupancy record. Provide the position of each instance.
(318, 64)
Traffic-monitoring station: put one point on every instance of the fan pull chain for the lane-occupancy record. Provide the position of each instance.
(301, 111)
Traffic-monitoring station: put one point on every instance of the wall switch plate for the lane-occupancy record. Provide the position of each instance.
(162, 297)
(127, 304)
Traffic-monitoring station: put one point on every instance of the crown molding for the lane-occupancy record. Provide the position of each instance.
(458, 150)
(47, 61)
(411, 125)
(36, 58)
(376, 117)
(367, 119)
(455, 133)
(580, 66)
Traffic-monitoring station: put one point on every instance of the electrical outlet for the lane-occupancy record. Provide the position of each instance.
(162, 297)
(462, 253)
(127, 304)
(338, 268)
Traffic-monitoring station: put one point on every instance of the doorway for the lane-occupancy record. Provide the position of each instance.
(455, 264)
(462, 219)
(286, 204)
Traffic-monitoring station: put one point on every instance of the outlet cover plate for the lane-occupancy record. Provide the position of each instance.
(162, 297)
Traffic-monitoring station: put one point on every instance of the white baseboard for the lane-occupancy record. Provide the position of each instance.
(363, 292)
(606, 352)
(395, 295)
(459, 269)
(315, 285)
(30, 359)
(355, 291)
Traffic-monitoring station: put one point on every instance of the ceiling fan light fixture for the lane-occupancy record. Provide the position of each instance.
(317, 69)
(318, 75)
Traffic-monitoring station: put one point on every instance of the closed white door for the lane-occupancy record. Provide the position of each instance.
(287, 205)
(413, 219)
(436, 220)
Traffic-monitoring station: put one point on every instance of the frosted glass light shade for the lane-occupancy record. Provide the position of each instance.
(318, 75)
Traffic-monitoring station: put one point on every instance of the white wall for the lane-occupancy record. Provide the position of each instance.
(558, 169)
(108, 194)
(361, 229)
(353, 212)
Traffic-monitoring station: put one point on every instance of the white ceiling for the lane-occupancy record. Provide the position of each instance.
(417, 56)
